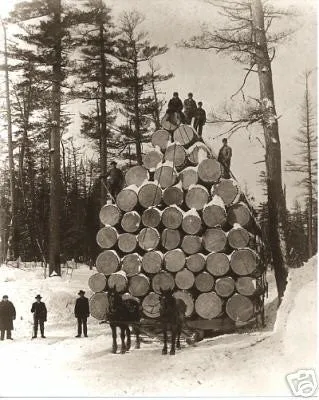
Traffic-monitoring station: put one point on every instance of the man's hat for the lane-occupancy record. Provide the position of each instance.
(81, 292)
(190, 94)
(38, 297)
(113, 163)
(175, 94)
(200, 103)
(224, 140)
(5, 296)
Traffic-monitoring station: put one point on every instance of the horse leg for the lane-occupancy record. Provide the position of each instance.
(123, 347)
(137, 334)
(178, 342)
(128, 337)
(114, 347)
(174, 331)
(164, 351)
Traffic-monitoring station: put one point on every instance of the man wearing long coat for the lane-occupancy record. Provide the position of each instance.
(7, 315)
(39, 311)
(82, 312)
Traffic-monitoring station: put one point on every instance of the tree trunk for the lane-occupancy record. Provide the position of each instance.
(276, 201)
(137, 120)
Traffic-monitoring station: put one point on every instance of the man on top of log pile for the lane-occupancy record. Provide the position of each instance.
(175, 105)
(224, 157)
(115, 179)
(200, 119)
(190, 108)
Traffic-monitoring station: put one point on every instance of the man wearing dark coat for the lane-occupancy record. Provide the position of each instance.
(190, 108)
(175, 105)
(39, 311)
(82, 312)
(7, 315)
(224, 157)
(200, 119)
(115, 179)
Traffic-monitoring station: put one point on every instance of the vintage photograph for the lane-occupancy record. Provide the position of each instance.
(158, 198)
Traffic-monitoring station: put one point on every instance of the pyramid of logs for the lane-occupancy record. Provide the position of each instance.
(178, 224)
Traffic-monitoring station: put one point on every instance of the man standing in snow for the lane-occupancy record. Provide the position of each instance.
(82, 312)
(7, 315)
(190, 108)
(224, 157)
(39, 311)
(200, 119)
(115, 179)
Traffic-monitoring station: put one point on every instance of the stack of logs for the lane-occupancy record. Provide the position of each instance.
(179, 225)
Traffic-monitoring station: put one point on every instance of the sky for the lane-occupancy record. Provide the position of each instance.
(214, 78)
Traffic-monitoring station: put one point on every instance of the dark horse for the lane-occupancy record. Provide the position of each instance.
(172, 316)
(123, 313)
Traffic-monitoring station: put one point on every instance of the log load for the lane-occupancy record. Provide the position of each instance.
(127, 198)
(152, 262)
(151, 305)
(151, 217)
(107, 262)
(136, 175)
(165, 174)
(176, 154)
(196, 262)
(118, 281)
(225, 287)
(214, 240)
(150, 195)
(139, 285)
(184, 279)
(196, 197)
(131, 264)
(107, 237)
(172, 217)
(152, 158)
(148, 239)
(110, 214)
(131, 221)
(209, 170)
(238, 237)
(171, 238)
(188, 177)
(163, 281)
(174, 260)
(243, 261)
(97, 282)
(192, 222)
(214, 213)
(246, 285)
(204, 282)
(127, 242)
(187, 299)
(217, 264)
(173, 195)
(228, 190)
(208, 305)
(161, 138)
(239, 308)
(239, 214)
(99, 305)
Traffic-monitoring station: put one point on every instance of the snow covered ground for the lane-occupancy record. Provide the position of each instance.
(254, 363)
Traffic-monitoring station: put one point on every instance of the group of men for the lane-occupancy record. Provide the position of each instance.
(191, 110)
(39, 310)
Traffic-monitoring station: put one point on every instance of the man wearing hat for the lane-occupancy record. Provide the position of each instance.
(115, 179)
(82, 312)
(190, 108)
(7, 315)
(39, 311)
(200, 119)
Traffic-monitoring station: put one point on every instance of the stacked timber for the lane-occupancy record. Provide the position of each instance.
(179, 225)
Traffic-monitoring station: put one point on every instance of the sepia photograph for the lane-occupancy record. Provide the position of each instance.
(158, 199)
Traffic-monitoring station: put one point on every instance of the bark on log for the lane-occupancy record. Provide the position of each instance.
(136, 175)
(185, 135)
(239, 308)
(188, 177)
(174, 260)
(131, 264)
(172, 217)
(151, 217)
(198, 152)
(151, 305)
(174, 195)
(225, 287)
(97, 282)
(106, 237)
(217, 264)
(127, 242)
(131, 221)
(238, 237)
(204, 282)
(228, 190)
(184, 279)
(171, 239)
(246, 285)
(99, 306)
(187, 298)
(238, 214)
(214, 213)
(209, 170)
(152, 262)
(176, 154)
(148, 239)
(150, 195)
(196, 197)
(196, 262)
(163, 281)
(139, 285)
(192, 222)
(208, 305)
(161, 138)
(107, 262)
(118, 281)
(127, 198)
(214, 240)
(152, 158)
(110, 214)
(191, 244)
(165, 175)
(243, 261)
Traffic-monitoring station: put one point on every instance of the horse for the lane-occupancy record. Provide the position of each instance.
(172, 316)
(122, 313)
